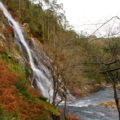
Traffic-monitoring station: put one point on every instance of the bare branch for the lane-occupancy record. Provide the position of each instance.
(112, 70)
(105, 24)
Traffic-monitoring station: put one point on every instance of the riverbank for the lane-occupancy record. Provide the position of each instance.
(86, 90)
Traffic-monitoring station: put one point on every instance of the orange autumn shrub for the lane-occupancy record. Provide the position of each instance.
(72, 116)
(8, 96)
(9, 99)
(25, 108)
(33, 92)
(61, 58)
(23, 102)
(37, 109)
(1, 49)
(6, 78)
(8, 30)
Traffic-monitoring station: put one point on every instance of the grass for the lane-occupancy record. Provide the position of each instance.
(27, 71)
(5, 56)
(22, 85)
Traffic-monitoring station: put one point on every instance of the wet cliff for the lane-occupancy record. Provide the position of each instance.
(18, 99)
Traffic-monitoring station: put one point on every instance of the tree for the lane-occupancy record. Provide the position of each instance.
(60, 51)
(108, 63)
(111, 70)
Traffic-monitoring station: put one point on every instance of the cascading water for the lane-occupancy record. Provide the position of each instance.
(42, 81)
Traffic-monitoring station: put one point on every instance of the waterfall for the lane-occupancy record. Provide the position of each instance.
(42, 81)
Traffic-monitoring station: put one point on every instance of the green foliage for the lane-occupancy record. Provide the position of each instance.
(1, 110)
(106, 49)
(21, 84)
(94, 76)
(40, 22)
(12, 64)
(4, 115)
(16, 67)
(27, 71)
(52, 110)
(112, 46)
(93, 70)
(43, 98)
(5, 56)
(36, 29)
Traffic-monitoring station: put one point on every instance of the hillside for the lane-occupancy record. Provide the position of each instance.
(18, 100)
(43, 59)
(57, 41)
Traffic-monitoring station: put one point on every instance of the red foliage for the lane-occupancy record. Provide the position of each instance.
(25, 108)
(61, 58)
(8, 30)
(71, 116)
(6, 78)
(13, 14)
(33, 92)
(7, 90)
(8, 93)
(13, 102)
(37, 109)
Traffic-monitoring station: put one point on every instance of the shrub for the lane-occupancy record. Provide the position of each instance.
(43, 98)
(27, 71)
(5, 55)
(72, 116)
(20, 84)
(8, 30)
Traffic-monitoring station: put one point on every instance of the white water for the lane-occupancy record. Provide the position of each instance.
(94, 99)
(89, 108)
(42, 81)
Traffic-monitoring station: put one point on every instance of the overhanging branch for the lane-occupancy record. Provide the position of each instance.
(107, 71)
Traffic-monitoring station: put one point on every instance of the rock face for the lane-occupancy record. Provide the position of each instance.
(9, 45)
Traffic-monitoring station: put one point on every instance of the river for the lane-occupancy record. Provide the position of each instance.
(89, 108)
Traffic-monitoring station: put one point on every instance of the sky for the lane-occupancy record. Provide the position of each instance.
(82, 13)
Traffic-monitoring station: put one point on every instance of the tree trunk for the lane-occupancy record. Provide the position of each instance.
(65, 96)
(116, 98)
(54, 117)
(65, 110)
(119, 115)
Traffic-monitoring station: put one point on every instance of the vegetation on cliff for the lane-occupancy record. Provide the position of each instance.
(18, 100)
(81, 61)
